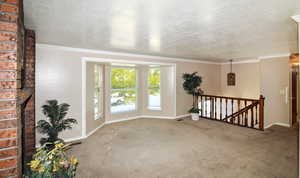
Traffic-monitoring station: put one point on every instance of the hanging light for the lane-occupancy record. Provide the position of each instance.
(294, 60)
(231, 76)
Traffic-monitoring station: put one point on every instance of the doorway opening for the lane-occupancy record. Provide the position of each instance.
(294, 85)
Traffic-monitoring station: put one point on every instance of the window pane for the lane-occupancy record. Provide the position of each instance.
(154, 98)
(123, 100)
(154, 88)
(154, 77)
(123, 78)
(123, 94)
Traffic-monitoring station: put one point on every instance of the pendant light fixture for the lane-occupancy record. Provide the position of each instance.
(231, 76)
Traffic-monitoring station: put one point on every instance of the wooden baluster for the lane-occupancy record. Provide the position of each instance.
(221, 109)
(210, 104)
(200, 107)
(261, 112)
(244, 119)
(212, 107)
(246, 115)
(252, 117)
(239, 107)
(215, 108)
(232, 119)
(256, 114)
(226, 108)
(205, 106)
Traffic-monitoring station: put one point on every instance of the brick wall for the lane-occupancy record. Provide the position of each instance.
(16, 93)
(10, 150)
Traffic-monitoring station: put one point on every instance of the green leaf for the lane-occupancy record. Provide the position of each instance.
(55, 114)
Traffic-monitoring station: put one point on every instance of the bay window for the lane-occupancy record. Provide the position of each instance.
(123, 89)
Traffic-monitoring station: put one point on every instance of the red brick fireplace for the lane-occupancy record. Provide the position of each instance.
(17, 83)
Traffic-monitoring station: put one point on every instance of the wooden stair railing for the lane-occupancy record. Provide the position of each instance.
(238, 111)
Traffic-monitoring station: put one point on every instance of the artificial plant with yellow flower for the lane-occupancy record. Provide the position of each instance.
(54, 163)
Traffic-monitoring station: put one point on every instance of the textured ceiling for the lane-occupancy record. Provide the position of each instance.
(211, 30)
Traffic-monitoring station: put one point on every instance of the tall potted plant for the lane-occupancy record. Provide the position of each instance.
(191, 85)
(55, 114)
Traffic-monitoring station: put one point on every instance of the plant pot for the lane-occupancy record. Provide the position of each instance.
(195, 116)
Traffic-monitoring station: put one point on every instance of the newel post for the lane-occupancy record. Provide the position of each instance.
(261, 112)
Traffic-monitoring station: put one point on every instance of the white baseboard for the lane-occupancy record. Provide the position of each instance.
(182, 116)
(163, 117)
(122, 120)
(74, 139)
(93, 131)
(278, 123)
(155, 117)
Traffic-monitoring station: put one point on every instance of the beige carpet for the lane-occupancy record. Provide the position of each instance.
(192, 149)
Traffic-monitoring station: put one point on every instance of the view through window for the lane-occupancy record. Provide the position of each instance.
(154, 89)
(123, 89)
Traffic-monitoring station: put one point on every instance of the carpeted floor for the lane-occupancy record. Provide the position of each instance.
(187, 149)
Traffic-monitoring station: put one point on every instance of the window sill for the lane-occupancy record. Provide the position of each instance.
(98, 118)
(124, 112)
(155, 108)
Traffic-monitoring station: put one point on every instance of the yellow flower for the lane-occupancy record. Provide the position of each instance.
(74, 160)
(34, 164)
(41, 169)
(59, 145)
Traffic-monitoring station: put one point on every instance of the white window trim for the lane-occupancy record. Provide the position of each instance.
(136, 88)
(100, 115)
(154, 108)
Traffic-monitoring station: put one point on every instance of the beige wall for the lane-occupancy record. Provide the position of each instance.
(247, 80)
(268, 77)
(59, 76)
(211, 83)
(59, 73)
(274, 80)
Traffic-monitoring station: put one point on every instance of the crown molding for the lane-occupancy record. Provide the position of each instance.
(274, 57)
(242, 62)
(296, 18)
(101, 52)
(168, 59)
